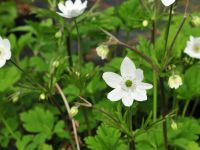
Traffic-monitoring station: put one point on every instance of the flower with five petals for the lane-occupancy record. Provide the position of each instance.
(129, 85)
(70, 9)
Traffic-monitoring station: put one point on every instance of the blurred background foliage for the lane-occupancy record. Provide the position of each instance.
(39, 38)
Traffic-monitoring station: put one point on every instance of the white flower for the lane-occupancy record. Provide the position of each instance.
(167, 2)
(70, 9)
(193, 47)
(5, 53)
(129, 85)
(102, 51)
(175, 81)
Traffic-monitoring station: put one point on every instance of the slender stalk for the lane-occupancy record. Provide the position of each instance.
(168, 53)
(185, 107)
(168, 27)
(162, 94)
(155, 97)
(8, 127)
(68, 110)
(140, 53)
(79, 44)
(194, 107)
(69, 50)
(130, 121)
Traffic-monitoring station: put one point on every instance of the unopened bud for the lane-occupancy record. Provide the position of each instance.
(174, 125)
(58, 34)
(175, 81)
(102, 51)
(42, 96)
(55, 64)
(196, 21)
(73, 111)
(145, 23)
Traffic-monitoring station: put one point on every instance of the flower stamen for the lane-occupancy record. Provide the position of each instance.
(128, 83)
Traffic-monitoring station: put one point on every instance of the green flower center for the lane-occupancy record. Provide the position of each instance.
(197, 48)
(128, 83)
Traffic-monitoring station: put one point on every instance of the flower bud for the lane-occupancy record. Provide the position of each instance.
(55, 64)
(58, 34)
(73, 111)
(175, 81)
(145, 23)
(196, 21)
(102, 51)
(174, 125)
(42, 96)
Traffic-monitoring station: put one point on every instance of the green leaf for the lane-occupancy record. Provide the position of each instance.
(8, 77)
(191, 83)
(38, 120)
(106, 138)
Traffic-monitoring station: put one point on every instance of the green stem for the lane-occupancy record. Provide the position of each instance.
(167, 31)
(185, 107)
(130, 121)
(9, 128)
(162, 94)
(79, 44)
(155, 93)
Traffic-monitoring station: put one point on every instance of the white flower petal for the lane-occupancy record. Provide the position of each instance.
(70, 9)
(115, 94)
(168, 2)
(78, 3)
(193, 47)
(127, 99)
(62, 7)
(127, 68)
(139, 74)
(69, 3)
(112, 79)
(140, 95)
(2, 62)
(144, 86)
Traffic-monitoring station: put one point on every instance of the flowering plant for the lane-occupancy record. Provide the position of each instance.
(80, 74)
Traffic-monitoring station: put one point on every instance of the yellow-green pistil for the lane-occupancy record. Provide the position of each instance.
(196, 48)
(128, 83)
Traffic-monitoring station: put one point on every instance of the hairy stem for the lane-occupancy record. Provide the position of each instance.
(68, 110)
(79, 44)
(162, 94)
(69, 50)
(185, 108)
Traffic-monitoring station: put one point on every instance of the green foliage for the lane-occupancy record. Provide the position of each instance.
(106, 138)
(191, 86)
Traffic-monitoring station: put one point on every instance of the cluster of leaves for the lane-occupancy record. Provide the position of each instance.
(28, 123)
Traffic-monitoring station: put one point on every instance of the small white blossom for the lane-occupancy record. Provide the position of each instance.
(175, 81)
(70, 9)
(167, 2)
(102, 51)
(193, 47)
(5, 52)
(129, 85)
